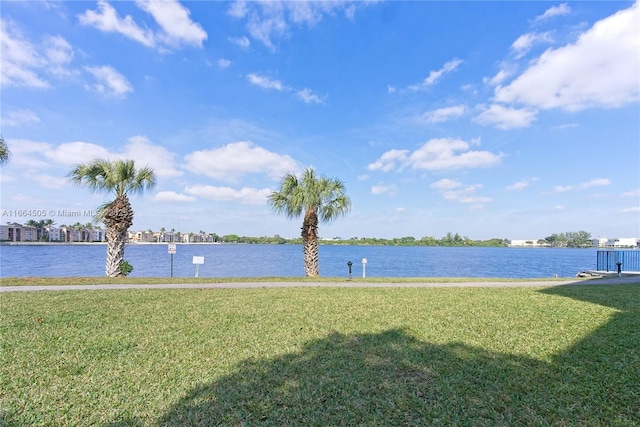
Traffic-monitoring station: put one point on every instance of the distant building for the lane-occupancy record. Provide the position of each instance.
(623, 242)
(15, 232)
(53, 233)
(11, 232)
(600, 242)
(99, 235)
(141, 237)
(524, 243)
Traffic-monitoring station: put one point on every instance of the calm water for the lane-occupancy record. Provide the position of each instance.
(229, 260)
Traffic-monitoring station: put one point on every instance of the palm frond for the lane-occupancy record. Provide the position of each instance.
(326, 196)
(119, 177)
(5, 154)
(100, 212)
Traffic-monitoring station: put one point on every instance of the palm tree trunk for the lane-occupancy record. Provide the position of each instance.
(115, 252)
(118, 218)
(310, 243)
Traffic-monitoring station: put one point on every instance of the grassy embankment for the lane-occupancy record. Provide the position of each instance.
(60, 281)
(563, 355)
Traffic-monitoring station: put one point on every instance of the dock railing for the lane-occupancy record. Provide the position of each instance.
(608, 260)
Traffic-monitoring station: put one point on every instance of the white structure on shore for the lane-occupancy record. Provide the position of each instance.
(530, 243)
(598, 242)
(150, 236)
(621, 242)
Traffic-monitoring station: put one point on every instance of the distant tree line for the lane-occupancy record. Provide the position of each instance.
(571, 239)
(449, 240)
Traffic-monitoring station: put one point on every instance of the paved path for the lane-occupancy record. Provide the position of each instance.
(344, 284)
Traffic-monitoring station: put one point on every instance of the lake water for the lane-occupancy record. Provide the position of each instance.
(232, 260)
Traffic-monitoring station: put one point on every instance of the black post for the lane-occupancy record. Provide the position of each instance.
(349, 264)
(619, 264)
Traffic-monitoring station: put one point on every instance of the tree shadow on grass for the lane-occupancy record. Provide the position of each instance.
(603, 369)
(391, 378)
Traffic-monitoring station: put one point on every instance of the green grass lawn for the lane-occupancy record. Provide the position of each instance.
(564, 355)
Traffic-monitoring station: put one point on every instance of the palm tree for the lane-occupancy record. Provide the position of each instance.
(320, 198)
(120, 178)
(4, 151)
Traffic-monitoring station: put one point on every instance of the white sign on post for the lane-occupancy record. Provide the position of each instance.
(197, 260)
(171, 249)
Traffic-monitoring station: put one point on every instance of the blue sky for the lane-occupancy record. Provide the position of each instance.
(490, 119)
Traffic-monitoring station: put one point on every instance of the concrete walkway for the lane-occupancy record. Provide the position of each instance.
(343, 284)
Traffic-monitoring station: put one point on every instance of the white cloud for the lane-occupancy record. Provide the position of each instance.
(44, 155)
(109, 82)
(597, 182)
(106, 19)
(525, 42)
(601, 69)
(633, 209)
(246, 195)
(172, 196)
(390, 160)
(434, 76)
(237, 159)
(446, 184)
(383, 189)
(70, 153)
(19, 58)
(437, 154)
(566, 126)
(562, 9)
(28, 154)
(177, 28)
(456, 191)
(223, 63)
(308, 97)
(238, 9)
(265, 82)
(20, 117)
(444, 114)
(59, 54)
(264, 29)
(505, 117)
(504, 73)
(520, 185)
(161, 160)
(23, 63)
(51, 182)
(267, 21)
(243, 42)
(634, 193)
